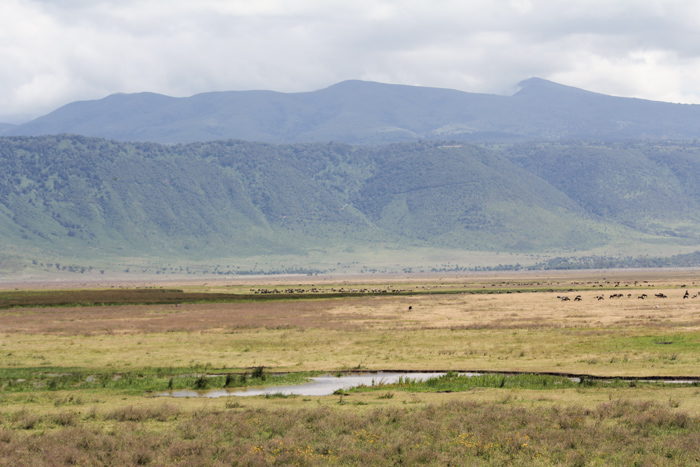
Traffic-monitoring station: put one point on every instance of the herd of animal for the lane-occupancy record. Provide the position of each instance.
(314, 290)
(565, 298)
(578, 298)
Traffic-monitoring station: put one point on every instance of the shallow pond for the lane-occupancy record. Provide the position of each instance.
(328, 384)
(318, 386)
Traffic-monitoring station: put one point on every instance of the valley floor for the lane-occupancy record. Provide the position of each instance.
(79, 381)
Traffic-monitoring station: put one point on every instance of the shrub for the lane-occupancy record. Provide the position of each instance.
(65, 418)
(5, 436)
(201, 382)
(26, 420)
(231, 404)
(230, 381)
(139, 414)
(142, 457)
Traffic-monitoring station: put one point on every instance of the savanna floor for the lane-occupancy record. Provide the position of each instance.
(55, 411)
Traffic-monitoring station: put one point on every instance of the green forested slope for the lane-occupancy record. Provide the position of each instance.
(470, 198)
(79, 196)
(651, 187)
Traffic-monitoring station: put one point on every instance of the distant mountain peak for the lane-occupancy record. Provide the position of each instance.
(355, 84)
(537, 87)
(350, 82)
(535, 81)
(350, 85)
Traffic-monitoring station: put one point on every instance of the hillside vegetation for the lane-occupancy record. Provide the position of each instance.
(650, 187)
(86, 197)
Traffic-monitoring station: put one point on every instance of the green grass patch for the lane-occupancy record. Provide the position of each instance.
(31, 380)
(454, 382)
(677, 341)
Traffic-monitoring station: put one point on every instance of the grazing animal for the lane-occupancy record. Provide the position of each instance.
(660, 295)
(686, 294)
(410, 308)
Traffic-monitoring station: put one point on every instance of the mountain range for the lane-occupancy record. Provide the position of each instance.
(359, 112)
(384, 169)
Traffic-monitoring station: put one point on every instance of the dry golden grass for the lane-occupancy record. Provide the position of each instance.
(501, 331)
(526, 331)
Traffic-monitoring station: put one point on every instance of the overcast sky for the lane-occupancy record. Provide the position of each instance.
(53, 52)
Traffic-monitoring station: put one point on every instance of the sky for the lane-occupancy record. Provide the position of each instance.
(53, 52)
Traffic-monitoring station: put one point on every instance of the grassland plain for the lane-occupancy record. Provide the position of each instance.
(79, 382)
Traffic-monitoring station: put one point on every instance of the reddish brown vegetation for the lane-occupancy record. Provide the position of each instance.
(184, 317)
(457, 432)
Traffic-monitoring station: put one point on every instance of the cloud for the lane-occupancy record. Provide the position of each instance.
(52, 53)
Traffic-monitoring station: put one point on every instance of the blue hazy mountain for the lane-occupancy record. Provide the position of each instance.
(359, 112)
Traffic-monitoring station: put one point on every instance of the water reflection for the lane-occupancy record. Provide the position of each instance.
(318, 386)
(328, 384)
